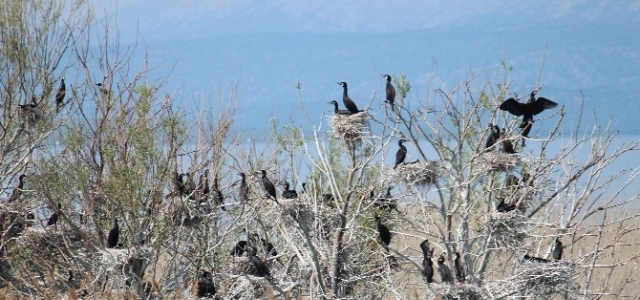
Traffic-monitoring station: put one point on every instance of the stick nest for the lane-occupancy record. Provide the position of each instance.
(546, 279)
(458, 291)
(508, 229)
(420, 173)
(350, 127)
(498, 161)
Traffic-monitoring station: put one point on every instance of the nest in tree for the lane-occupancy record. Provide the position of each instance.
(520, 196)
(545, 279)
(498, 161)
(349, 127)
(298, 210)
(508, 229)
(419, 173)
(458, 291)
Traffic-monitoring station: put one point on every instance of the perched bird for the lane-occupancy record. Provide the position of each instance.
(17, 192)
(557, 250)
(535, 259)
(443, 269)
(427, 263)
(53, 219)
(181, 186)
(103, 89)
(260, 267)
(114, 234)
(218, 197)
(383, 233)
(507, 146)
(391, 92)
(527, 110)
(239, 248)
(206, 288)
(503, 207)
(287, 193)
(60, 95)
(338, 111)
(27, 106)
(492, 139)
(348, 103)
(386, 203)
(459, 268)
(268, 185)
(243, 193)
(401, 154)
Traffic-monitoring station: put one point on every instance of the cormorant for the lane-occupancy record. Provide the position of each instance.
(557, 250)
(391, 92)
(268, 247)
(443, 269)
(492, 139)
(507, 146)
(268, 185)
(348, 103)
(243, 193)
(535, 259)
(33, 104)
(459, 268)
(60, 95)
(218, 197)
(503, 207)
(338, 111)
(527, 110)
(239, 248)
(287, 193)
(427, 263)
(53, 219)
(384, 234)
(206, 288)
(260, 267)
(386, 203)
(401, 154)
(17, 192)
(114, 234)
(181, 186)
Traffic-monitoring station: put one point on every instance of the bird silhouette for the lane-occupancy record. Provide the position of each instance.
(427, 263)
(401, 154)
(535, 259)
(504, 207)
(443, 269)
(218, 197)
(527, 110)
(268, 247)
(384, 234)
(459, 268)
(492, 139)
(114, 234)
(268, 185)
(239, 248)
(17, 191)
(243, 193)
(260, 267)
(338, 111)
(287, 193)
(557, 250)
(206, 288)
(348, 103)
(60, 95)
(387, 203)
(507, 146)
(53, 219)
(391, 92)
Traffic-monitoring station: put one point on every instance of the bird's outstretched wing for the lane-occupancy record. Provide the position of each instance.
(513, 107)
(540, 105)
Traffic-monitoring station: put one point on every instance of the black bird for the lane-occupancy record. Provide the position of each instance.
(27, 106)
(386, 203)
(557, 250)
(53, 219)
(348, 103)
(402, 153)
(114, 234)
(510, 180)
(17, 192)
(384, 234)
(268, 185)
(239, 248)
(503, 207)
(260, 267)
(507, 146)
(287, 193)
(492, 139)
(218, 197)
(268, 247)
(427, 263)
(459, 268)
(103, 89)
(535, 259)
(527, 179)
(60, 95)
(443, 269)
(181, 186)
(391, 92)
(338, 111)
(243, 193)
(206, 288)
(527, 110)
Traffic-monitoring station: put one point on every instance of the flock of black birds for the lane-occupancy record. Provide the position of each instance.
(186, 187)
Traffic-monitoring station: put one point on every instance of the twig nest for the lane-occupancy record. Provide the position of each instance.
(420, 173)
(457, 291)
(349, 127)
(498, 161)
(507, 229)
(546, 279)
(519, 195)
